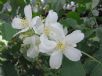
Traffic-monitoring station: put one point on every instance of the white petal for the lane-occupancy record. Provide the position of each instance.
(51, 17)
(57, 31)
(37, 25)
(56, 60)
(29, 40)
(73, 54)
(35, 20)
(65, 31)
(46, 45)
(32, 52)
(28, 12)
(16, 23)
(75, 37)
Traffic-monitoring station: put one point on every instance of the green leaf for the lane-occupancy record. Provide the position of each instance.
(72, 69)
(74, 15)
(69, 22)
(95, 3)
(89, 65)
(88, 5)
(7, 31)
(97, 71)
(57, 4)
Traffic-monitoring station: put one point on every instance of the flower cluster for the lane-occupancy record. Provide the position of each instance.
(48, 37)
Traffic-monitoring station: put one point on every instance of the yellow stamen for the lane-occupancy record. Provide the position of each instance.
(24, 22)
(46, 31)
(60, 45)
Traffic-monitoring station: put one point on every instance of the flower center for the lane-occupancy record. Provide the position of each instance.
(24, 22)
(46, 31)
(60, 45)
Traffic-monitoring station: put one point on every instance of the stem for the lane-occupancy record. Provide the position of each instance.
(92, 57)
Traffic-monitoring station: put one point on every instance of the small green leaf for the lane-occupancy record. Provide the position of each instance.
(95, 3)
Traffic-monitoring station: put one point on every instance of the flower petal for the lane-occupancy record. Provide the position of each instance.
(28, 12)
(37, 25)
(46, 45)
(57, 31)
(32, 52)
(65, 31)
(35, 20)
(29, 40)
(75, 37)
(51, 17)
(16, 23)
(56, 60)
(73, 54)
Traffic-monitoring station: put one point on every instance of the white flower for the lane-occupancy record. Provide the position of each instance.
(37, 25)
(19, 23)
(26, 23)
(63, 45)
(51, 28)
(33, 41)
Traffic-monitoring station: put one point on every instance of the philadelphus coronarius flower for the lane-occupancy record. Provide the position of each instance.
(49, 37)
(65, 44)
(24, 23)
(55, 42)
(50, 28)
